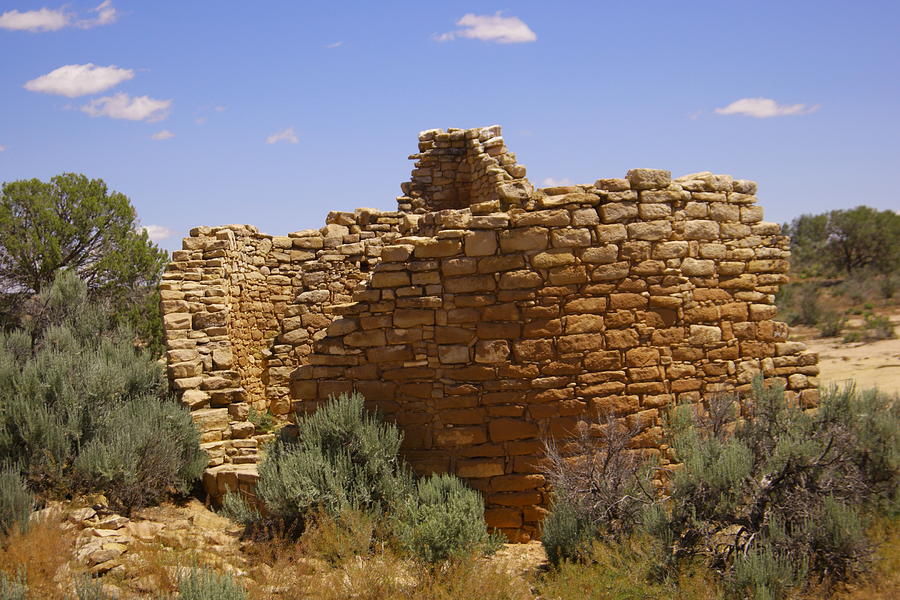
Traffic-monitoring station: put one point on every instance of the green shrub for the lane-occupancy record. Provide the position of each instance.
(782, 483)
(755, 487)
(444, 519)
(72, 382)
(600, 484)
(142, 448)
(764, 574)
(236, 508)
(799, 303)
(16, 502)
(566, 534)
(343, 458)
(831, 324)
(89, 588)
(204, 584)
(13, 589)
(263, 421)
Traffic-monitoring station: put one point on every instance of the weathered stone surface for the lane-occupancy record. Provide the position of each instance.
(482, 316)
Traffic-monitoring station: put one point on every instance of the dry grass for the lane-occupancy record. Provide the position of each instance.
(623, 572)
(286, 570)
(883, 582)
(42, 554)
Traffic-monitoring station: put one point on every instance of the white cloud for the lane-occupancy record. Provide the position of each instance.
(44, 19)
(47, 19)
(79, 80)
(2, 148)
(165, 134)
(552, 182)
(219, 108)
(200, 120)
(763, 108)
(335, 45)
(158, 233)
(286, 135)
(123, 106)
(106, 14)
(490, 28)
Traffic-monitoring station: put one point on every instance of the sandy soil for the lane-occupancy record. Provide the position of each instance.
(873, 364)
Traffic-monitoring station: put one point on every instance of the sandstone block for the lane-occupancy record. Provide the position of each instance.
(616, 212)
(480, 243)
(612, 185)
(491, 351)
(528, 238)
(585, 216)
(504, 430)
(479, 468)
(520, 279)
(571, 238)
(436, 248)
(413, 317)
(650, 230)
(545, 218)
(698, 268)
(583, 323)
(611, 272)
(611, 233)
(701, 230)
(552, 258)
(460, 436)
(648, 179)
(705, 334)
(453, 354)
(177, 321)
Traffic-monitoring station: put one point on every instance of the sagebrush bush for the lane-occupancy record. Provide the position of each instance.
(600, 487)
(344, 458)
(756, 487)
(831, 324)
(13, 588)
(444, 519)
(205, 584)
(236, 508)
(783, 483)
(142, 448)
(764, 574)
(567, 534)
(16, 502)
(71, 381)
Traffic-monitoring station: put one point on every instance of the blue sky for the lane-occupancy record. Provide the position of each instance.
(807, 96)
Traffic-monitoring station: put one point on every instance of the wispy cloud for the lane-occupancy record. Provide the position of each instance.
(337, 44)
(2, 148)
(490, 28)
(763, 108)
(49, 19)
(158, 233)
(165, 134)
(553, 182)
(123, 106)
(79, 80)
(285, 135)
(106, 14)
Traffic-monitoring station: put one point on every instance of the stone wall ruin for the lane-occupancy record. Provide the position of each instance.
(484, 316)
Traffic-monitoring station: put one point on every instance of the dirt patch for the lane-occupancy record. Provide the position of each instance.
(872, 364)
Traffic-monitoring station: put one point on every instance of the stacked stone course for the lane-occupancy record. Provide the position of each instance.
(484, 316)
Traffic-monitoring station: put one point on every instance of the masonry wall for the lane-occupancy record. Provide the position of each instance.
(485, 316)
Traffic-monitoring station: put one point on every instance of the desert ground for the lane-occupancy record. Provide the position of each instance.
(869, 364)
